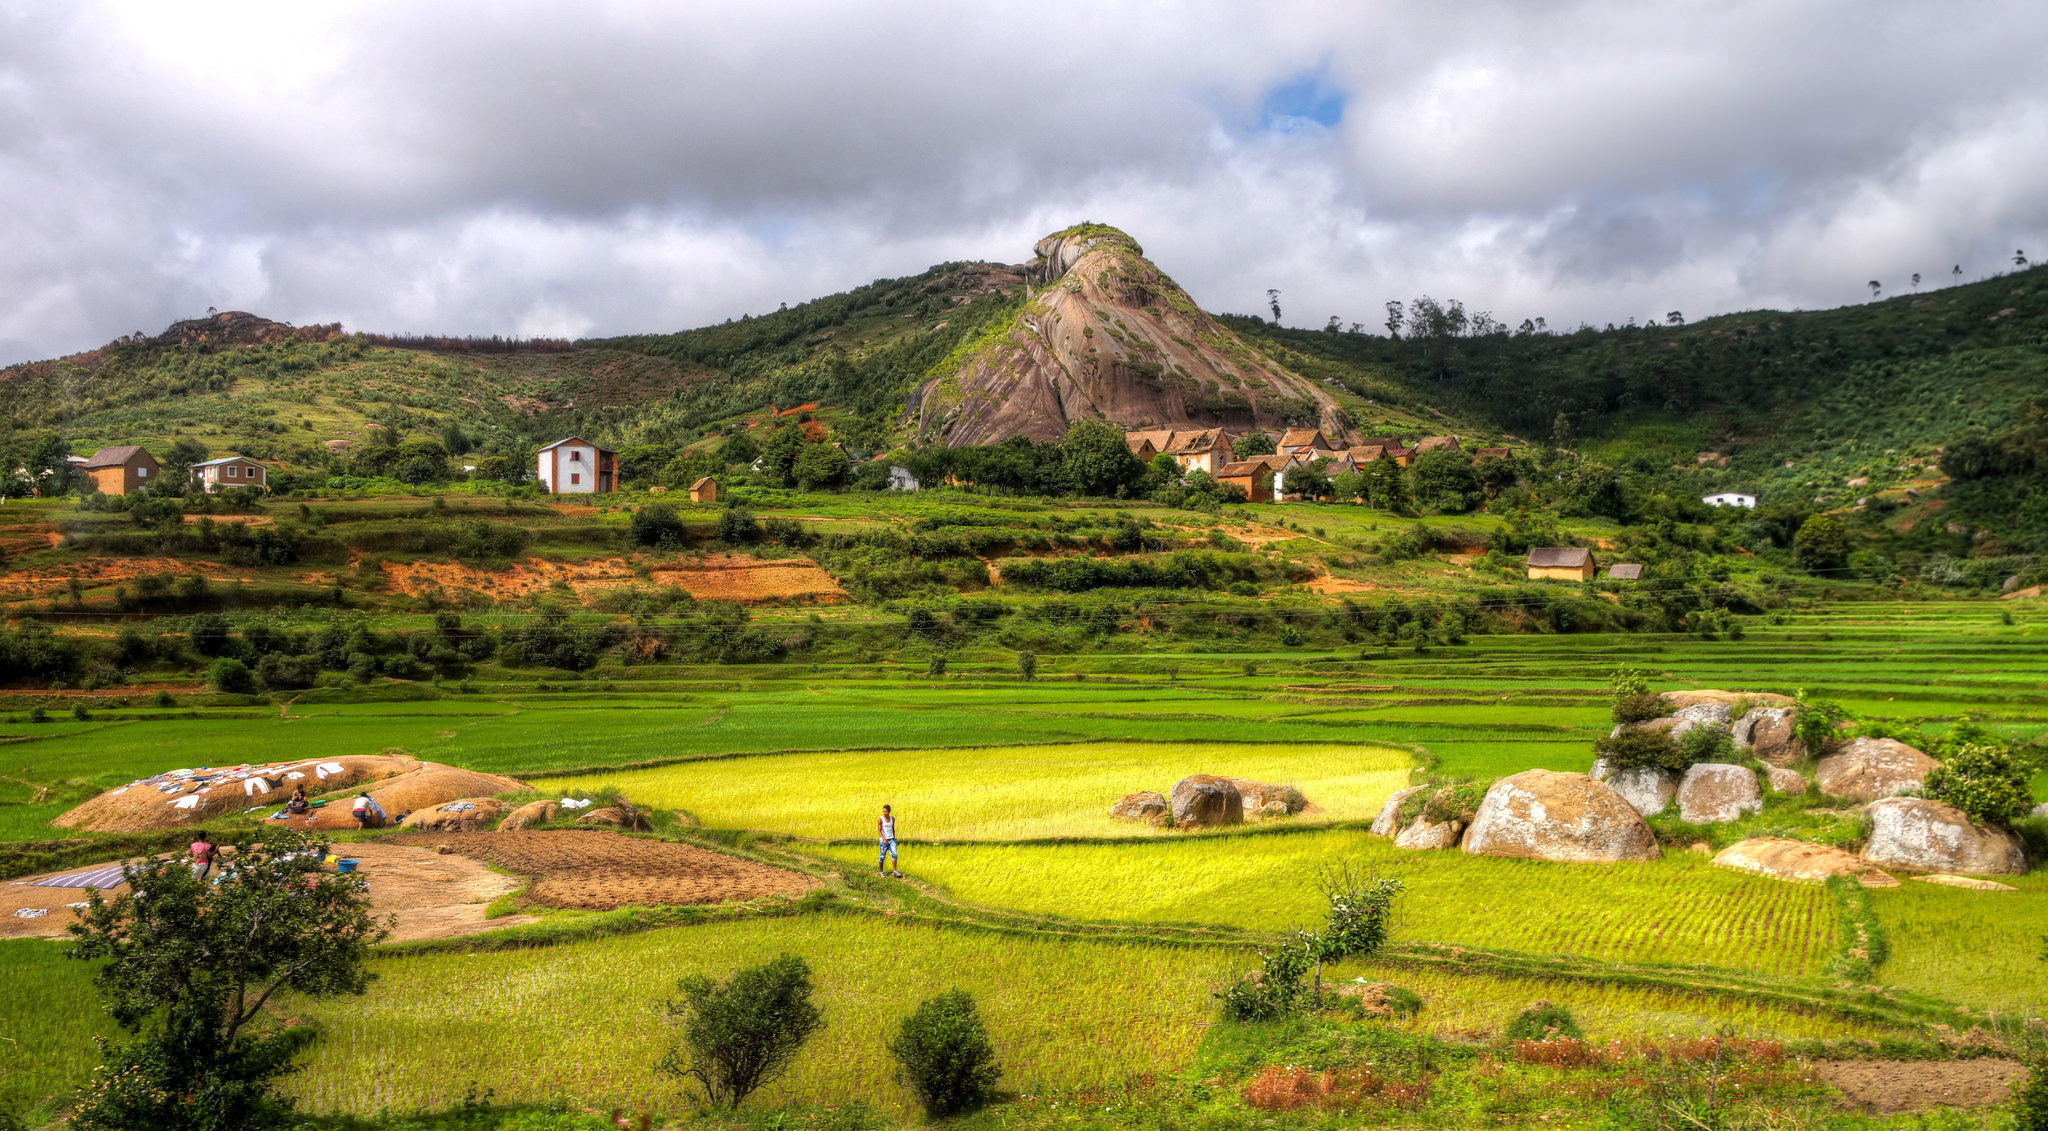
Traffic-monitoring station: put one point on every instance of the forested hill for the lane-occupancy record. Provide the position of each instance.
(1841, 393)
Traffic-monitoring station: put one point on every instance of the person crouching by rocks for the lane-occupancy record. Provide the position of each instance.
(885, 828)
(298, 806)
(366, 811)
(204, 853)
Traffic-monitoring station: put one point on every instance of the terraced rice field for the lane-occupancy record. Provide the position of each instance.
(998, 793)
(1678, 910)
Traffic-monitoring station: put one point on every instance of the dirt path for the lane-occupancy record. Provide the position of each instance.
(433, 896)
(1887, 1086)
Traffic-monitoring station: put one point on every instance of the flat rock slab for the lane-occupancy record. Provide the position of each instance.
(1887, 1086)
(1971, 883)
(1799, 862)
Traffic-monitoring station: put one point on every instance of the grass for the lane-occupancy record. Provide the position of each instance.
(998, 793)
(1977, 948)
(48, 1018)
(1678, 910)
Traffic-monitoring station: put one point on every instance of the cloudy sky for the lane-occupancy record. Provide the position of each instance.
(603, 167)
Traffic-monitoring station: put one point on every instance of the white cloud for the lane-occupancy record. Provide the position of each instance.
(620, 167)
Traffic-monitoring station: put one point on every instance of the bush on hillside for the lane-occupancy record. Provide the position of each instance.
(230, 676)
(1635, 748)
(1707, 744)
(657, 525)
(944, 1055)
(1982, 781)
(1544, 1021)
(740, 1034)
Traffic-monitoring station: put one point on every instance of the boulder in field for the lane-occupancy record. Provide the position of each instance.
(1785, 781)
(1703, 714)
(619, 814)
(1679, 700)
(1547, 815)
(1869, 768)
(463, 815)
(423, 788)
(1768, 733)
(1647, 789)
(1266, 799)
(1669, 724)
(1799, 861)
(1205, 801)
(529, 815)
(1712, 793)
(1969, 883)
(1421, 834)
(1144, 805)
(1918, 835)
(1386, 824)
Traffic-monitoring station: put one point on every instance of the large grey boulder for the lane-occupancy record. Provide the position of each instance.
(1767, 732)
(1703, 714)
(1387, 823)
(1869, 768)
(1420, 834)
(1547, 815)
(1918, 835)
(1647, 789)
(1799, 862)
(1205, 801)
(1712, 793)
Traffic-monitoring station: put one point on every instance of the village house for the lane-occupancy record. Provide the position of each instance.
(1562, 563)
(575, 466)
(1149, 443)
(1494, 453)
(1436, 444)
(1391, 448)
(704, 490)
(901, 479)
(229, 471)
(117, 471)
(1625, 571)
(1730, 499)
(1296, 441)
(1206, 450)
(1252, 476)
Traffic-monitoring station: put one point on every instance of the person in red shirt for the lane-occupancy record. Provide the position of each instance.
(203, 855)
(885, 828)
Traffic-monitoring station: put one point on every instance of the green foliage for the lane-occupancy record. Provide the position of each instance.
(1275, 991)
(1821, 545)
(2030, 1101)
(230, 676)
(1707, 744)
(1982, 781)
(1635, 747)
(657, 525)
(1257, 442)
(1027, 666)
(1817, 721)
(1096, 461)
(1865, 944)
(742, 1033)
(189, 967)
(736, 526)
(944, 1055)
(1544, 1021)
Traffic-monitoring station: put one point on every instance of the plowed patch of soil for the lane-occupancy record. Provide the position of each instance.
(90, 572)
(1887, 1086)
(599, 871)
(715, 578)
(1329, 584)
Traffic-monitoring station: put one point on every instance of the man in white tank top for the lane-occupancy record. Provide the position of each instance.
(885, 828)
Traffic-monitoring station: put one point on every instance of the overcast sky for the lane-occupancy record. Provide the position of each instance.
(594, 168)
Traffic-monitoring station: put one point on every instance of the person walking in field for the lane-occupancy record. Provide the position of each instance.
(885, 828)
(204, 853)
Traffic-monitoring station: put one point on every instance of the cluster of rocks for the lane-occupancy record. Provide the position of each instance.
(1533, 815)
(1201, 801)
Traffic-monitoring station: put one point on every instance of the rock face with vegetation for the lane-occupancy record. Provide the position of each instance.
(1799, 861)
(1106, 335)
(528, 815)
(463, 815)
(1265, 799)
(1425, 834)
(1717, 792)
(1918, 835)
(1647, 789)
(1770, 734)
(1388, 822)
(1205, 801)
(1866, 769)
(1547, 815)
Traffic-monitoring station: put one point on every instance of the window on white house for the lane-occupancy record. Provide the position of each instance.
(575, 478)
(575, 457)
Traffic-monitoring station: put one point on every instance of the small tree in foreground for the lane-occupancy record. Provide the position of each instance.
(189, 965)
(1361, 908)
(945, 1056)
(740, 1034)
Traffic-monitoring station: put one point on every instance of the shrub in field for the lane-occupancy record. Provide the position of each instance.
(189, 966)
(945, 1057)
(1634, 748)
(2030, 1102)
(1634, 702)
(230, 676)
(1544, 1021)
(1817, 721)
(1272, 992)
(1454, 803)
(1707, 744)
(740, 1034)
(1982, 781)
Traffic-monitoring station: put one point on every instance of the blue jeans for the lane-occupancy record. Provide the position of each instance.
(888, 852)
